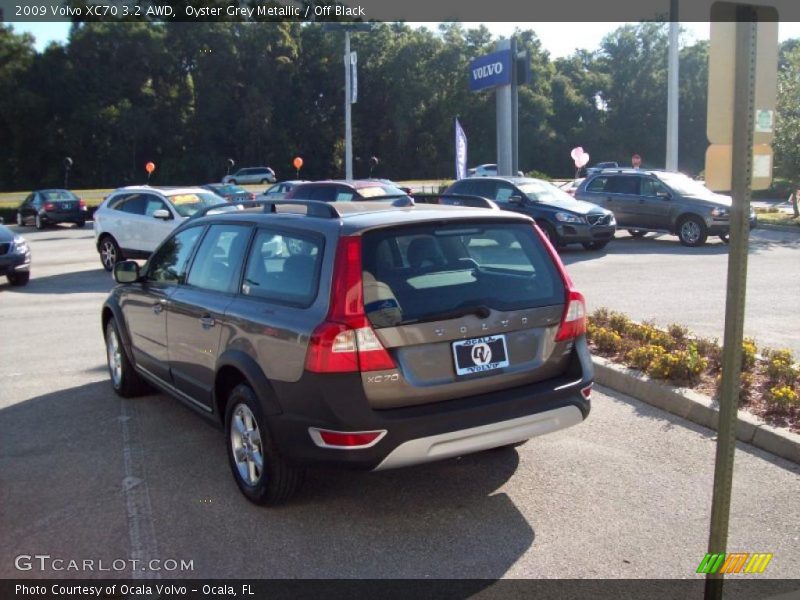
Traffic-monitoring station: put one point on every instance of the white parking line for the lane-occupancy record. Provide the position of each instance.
(141, 529)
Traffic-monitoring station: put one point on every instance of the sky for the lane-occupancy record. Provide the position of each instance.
(559, 39)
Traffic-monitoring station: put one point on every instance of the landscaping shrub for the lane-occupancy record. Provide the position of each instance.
(600, 317)
(620, 323)
(680, 365)
(749, 352)
(606, 341)
(678, 332)
(640, 357)
(711, 350)
(783, 396)
(780, 367)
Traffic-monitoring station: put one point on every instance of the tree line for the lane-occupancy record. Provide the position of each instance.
(188, 96)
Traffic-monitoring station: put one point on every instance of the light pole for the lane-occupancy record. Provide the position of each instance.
(348, 28)
(672, 89)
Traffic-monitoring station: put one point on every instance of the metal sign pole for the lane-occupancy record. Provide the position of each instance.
(348, 130)
(743, 120)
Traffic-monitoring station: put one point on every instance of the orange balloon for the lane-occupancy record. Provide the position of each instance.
(297, 162)
(150, 167)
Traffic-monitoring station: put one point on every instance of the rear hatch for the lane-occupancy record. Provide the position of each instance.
(464, 308)
(63, 203)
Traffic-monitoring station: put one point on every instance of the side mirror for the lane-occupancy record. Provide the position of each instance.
(2, 220)
(126, 271)
(516, 200)
(162, 213)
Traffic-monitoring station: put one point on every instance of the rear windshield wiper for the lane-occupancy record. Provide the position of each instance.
(481, 311)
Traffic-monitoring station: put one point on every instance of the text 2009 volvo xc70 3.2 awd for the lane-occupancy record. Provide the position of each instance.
(365, 334)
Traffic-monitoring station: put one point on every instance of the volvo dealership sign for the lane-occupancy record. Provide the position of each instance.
(490, 71)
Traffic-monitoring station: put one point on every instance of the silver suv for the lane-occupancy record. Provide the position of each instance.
(660, 201)
(373, 335)
(251, 175)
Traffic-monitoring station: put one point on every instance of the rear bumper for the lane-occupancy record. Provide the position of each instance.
(465, 441)
(73, 217)
(722, 227)
(426, 432)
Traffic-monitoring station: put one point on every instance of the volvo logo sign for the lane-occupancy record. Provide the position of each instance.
(490, 71)
(481, 354)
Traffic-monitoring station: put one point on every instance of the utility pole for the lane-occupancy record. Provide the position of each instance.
(672, 88)
(348, 126)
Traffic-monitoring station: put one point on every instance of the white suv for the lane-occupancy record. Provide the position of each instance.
(133, 221)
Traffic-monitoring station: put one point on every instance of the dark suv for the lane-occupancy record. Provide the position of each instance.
(343, 191)
(367, 335)
(563, 219)
(661, 201)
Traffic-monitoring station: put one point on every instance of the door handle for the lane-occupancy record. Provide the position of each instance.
(207, 321)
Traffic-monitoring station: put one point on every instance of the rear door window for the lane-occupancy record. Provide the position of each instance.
(217, 264)
(283, 267)
(623, 184)
(426, 273)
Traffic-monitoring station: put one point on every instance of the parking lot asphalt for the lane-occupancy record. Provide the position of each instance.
(86, 475)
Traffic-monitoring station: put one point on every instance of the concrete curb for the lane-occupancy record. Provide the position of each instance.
(695, 407)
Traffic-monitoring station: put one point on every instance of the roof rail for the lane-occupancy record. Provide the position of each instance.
(469, 200)
(314, 208)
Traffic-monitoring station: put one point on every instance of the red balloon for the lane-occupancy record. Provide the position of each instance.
(297, 162)
(150, 167)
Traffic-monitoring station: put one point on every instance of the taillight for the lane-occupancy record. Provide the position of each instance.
(345, 342)
(49, 206)
(345, 440)
(573, 321)
(586, 392)
(82, 204)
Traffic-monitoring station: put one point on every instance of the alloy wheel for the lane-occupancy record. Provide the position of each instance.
(246, 445)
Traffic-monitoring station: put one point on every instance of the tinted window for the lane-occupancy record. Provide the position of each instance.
(504, 192)
(344, 195)
(462, 187)
(418, 273)
(59, 196)
(168, 264)
(326, 193)
(116, 202)
(283, 267)
(623, 185)
(653, 187)
(135, 204)
(219, 258)
(152, 204)
(598, 184)
(484, 188)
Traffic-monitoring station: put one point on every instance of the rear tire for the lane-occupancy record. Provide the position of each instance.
(262, 474)
(264, 181)
(19, 279)
(726, 238)
(692, 231)
(80, 224)
(232, 181)
(20, 222)
(110, 254)
(637, 233)
(124, 378)
(39, 223)
(595, 245)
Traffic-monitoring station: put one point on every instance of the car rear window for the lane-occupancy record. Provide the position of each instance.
(375, 191)
(59, 195)
(417, 274)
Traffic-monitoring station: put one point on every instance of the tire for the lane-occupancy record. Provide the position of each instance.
(265, 181)
(595, 245)
(508, 446)
(80, 224)
(692, 231)
(110, 254)
(20, 222)
(19, 279)
(232, 181)
(39, 223)
(726, 238)
(124, 378)
(262, 474)
(549, 232)
(637, 233)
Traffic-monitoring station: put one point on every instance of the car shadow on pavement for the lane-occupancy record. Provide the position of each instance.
(75, 282)
(652, 412)
(64, 457)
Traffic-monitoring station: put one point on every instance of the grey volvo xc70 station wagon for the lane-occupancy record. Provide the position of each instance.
(372, 335)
